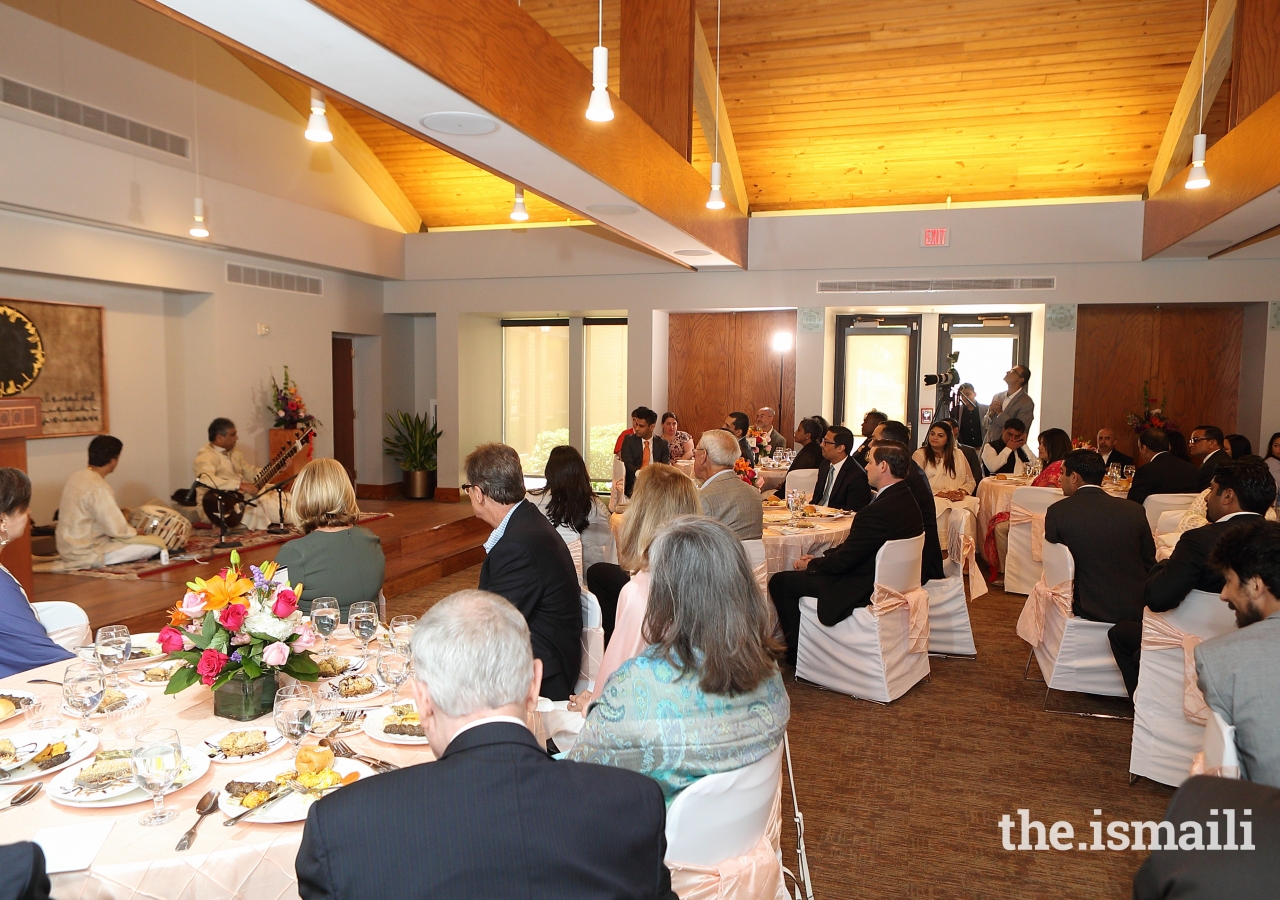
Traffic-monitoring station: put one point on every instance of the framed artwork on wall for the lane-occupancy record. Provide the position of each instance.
(54, 351)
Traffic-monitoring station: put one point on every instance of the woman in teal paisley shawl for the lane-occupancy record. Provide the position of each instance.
(725, 708)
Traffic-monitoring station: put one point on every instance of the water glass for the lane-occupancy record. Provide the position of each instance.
(82, 688)
(130, 720)
(42, 713)
(1113, 473)
(324, 619)
(113, 646)
(363, 622)
(295, 708)
(394, 665)
(1129, 472)
(157, 759)
(402, 630)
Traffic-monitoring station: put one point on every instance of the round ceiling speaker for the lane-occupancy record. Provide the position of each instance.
(459, 123)
(697, 252)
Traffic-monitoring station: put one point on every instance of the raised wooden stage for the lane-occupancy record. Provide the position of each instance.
(423, 541)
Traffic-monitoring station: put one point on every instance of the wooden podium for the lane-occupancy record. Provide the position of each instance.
(19, 419)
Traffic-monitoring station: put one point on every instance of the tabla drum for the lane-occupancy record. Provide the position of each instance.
(171, 527)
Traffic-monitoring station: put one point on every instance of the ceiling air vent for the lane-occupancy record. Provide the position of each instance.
(918, 286)
(276, 281)
(15, 93)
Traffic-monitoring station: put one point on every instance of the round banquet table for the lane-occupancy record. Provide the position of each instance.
(996, 496)
(773, 477)
(245, 860)
(782, 549)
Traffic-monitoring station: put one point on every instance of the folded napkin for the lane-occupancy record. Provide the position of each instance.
(72, 848)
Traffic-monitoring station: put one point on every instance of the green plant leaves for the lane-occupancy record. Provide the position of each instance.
(182, 679)
(413, 444)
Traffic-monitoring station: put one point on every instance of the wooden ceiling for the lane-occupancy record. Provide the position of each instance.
(837, 104)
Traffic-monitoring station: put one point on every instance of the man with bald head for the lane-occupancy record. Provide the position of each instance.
(1107, 450)
(765, 417)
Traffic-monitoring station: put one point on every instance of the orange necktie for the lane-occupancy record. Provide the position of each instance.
(644, 456)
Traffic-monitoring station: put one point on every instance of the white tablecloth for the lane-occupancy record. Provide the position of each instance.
(782, 550)
(773, 478)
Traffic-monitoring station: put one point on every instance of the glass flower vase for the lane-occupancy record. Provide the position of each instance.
(243, 698)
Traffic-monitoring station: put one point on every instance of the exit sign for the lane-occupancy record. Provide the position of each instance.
(935, 237)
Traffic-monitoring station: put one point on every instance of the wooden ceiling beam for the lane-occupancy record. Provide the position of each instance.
(1257, 53)
(1184, 122)
(655, 76)
(706, 99)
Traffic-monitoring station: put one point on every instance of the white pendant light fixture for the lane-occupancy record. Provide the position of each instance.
(198, 228)
(318, 125)
(518, 212)
(599, 109)
(716, 199)
(1198, 177)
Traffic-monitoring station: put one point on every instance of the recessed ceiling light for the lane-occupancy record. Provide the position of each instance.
(459, 123)
(613, 209)
(693, 253)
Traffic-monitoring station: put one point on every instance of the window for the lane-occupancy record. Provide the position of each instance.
(989, 346)
(535, 389)
(604, 392)
(876, 361)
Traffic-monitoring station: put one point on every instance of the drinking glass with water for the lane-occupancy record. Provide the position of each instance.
(363, 622)
(113, 647)
(324, 619)
(156, 762)
(82, 688)
(394, 665)
(295, 708)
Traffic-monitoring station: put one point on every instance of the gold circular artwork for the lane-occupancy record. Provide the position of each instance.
(21, 352)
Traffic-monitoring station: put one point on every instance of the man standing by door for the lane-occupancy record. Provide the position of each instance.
(1012, 403)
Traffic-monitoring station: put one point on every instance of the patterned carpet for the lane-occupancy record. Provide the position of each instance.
(903, 800)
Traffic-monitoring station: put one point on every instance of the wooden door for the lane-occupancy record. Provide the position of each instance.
(344, 406)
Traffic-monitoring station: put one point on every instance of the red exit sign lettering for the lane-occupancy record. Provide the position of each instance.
(935, 237)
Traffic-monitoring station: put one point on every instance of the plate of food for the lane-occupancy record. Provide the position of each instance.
(315, 768)
(336, 666)
(155, 676)
(242, 745)
(337, 720)
(819, 512)
(144, 648)
(113, 700)
(395, 724)
(775, 503)
(106, 780)
(13, 702)
(34, 754)
(354, 687)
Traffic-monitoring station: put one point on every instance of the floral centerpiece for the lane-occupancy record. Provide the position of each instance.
(743, 470)
(1082, 443)
(236, 625)
(1150, 417)
(760, 440)
(287, 406)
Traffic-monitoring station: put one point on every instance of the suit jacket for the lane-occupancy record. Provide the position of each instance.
(1187, 568)
(747, 452)
(1208, 466)
(975, 465)
(1238, 673)
(22, 872)
(531, 566)
(1213, 874)
(633, 451)
(1023, 407)
(1111, 543)
(1166, 474)
(807, 457)
(1118, 459)
(495, 816)
(845, 577)
(851, 490)
(730, 500)
(922, 491)
(971, 429)
(862, 454)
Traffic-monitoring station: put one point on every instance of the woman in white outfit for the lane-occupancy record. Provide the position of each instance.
(947, 469)
(568, 501)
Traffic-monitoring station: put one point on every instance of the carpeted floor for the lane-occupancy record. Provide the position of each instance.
(903, 800)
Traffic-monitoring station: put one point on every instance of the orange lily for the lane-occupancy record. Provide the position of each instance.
(177, 618)
(220, 591)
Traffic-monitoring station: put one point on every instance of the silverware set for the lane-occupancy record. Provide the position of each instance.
(208, 804)
(343, 749)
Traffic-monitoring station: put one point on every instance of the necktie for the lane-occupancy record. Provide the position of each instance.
(644, 456)
(826, 491)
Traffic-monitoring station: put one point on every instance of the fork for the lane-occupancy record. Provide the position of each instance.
(341, 748)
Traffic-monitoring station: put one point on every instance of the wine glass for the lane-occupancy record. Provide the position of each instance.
(1113, 473)
(113, 646)
(295, 707)
(394, 664)
(793, 504)
(1129, 472)
(402, 630)
(324, 619)
(363, 622)
(157, 759)
(83, 685)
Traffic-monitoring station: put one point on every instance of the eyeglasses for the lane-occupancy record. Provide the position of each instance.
(827, 443)
(468, 487)
(1196, 440)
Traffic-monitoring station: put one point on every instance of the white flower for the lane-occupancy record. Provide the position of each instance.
(262, 621)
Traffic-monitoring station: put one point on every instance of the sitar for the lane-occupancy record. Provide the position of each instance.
(233, 502)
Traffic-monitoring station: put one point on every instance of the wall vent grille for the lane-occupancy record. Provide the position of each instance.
(15, 93)
(276, 281)
(920, 286)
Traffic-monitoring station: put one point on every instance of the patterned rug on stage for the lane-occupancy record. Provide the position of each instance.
(199, 549)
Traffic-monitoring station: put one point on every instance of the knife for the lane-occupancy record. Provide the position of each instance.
(263, 805)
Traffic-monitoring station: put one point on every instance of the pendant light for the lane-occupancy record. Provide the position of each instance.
(1198, 177)
(518, 212)
(599, 109)
(318, 125)
(716, 199)
(198, 227)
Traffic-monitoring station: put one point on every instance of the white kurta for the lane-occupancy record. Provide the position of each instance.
(89, 521)
(942, 480)
(224, 470)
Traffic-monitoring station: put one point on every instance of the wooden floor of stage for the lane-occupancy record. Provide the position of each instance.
(423, 541)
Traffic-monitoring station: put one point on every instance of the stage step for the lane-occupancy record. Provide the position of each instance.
(424, 557)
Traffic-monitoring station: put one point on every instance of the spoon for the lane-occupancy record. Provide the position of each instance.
(24, 796)
(208, 804)
(44, 681)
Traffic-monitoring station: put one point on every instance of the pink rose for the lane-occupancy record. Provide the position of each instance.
(305, 640)
(192, 604)
(211, 665)
(276, 654)
(232, 616)
(239, 640)
(170, 639)
(286, 603)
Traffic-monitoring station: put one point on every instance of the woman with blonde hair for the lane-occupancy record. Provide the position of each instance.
(335, 558)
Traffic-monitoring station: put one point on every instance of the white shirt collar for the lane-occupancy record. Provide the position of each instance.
(715, 476)
(485, 721)
(1160, 453)
(498, 532)
(1008, 396)
(1243, 512)
(835, 467)
(1096, 487)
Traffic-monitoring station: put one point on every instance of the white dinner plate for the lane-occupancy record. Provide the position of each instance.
(148, 641)
(292, 808)
(354, 665)
(79, 745)
(136, 698)
(62, 789)
(20, 700)
(373, 727)
(139, 675)
(330, 690)
(275, 740)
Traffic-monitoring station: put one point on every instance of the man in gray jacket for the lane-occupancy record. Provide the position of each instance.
(1239, 672)
(1011, 404)
(725, 496)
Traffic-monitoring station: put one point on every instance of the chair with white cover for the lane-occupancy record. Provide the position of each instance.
(1169, 520)
(882, 650)
(1220, 755)
(1158, 504)
(1073, 653)
(66, 624)
(1169, 712)
(802, 480)
(592, 643)
(1022, 565)
(575, 551)
(950, 633)
(759, 564)
(618, 498)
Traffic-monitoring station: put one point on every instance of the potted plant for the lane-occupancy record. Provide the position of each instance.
(413, 447)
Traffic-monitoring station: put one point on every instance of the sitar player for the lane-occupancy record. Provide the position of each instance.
(220, 465)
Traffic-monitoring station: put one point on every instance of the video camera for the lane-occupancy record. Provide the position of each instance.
(949, 378)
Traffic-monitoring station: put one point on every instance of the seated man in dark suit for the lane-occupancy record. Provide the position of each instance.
(1109, 540)
(842, 483)
(494, 816)
(808, 439)
(1107, 450)
(844, 578)
(1160, 472)
(872, 420)
(918, 482)
(737, 424)
(1207, 442)
(528, 563)
(1242, 487)
(1007, 454)
(642, 446)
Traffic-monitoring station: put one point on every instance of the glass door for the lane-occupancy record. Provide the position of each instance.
(877, 360)
(989, 345)
(535, 388)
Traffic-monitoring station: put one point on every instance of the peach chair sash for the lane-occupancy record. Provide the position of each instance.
(1034, 611)
(967, 554)
(755, 874)
(1020, 516)
(885, 600)
(1158, 634)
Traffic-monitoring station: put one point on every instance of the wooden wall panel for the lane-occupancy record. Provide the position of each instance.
(1189, 354)
(1257, 57)
(723, 362)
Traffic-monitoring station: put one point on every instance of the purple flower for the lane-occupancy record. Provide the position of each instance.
(235, 657)
(259, 580)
